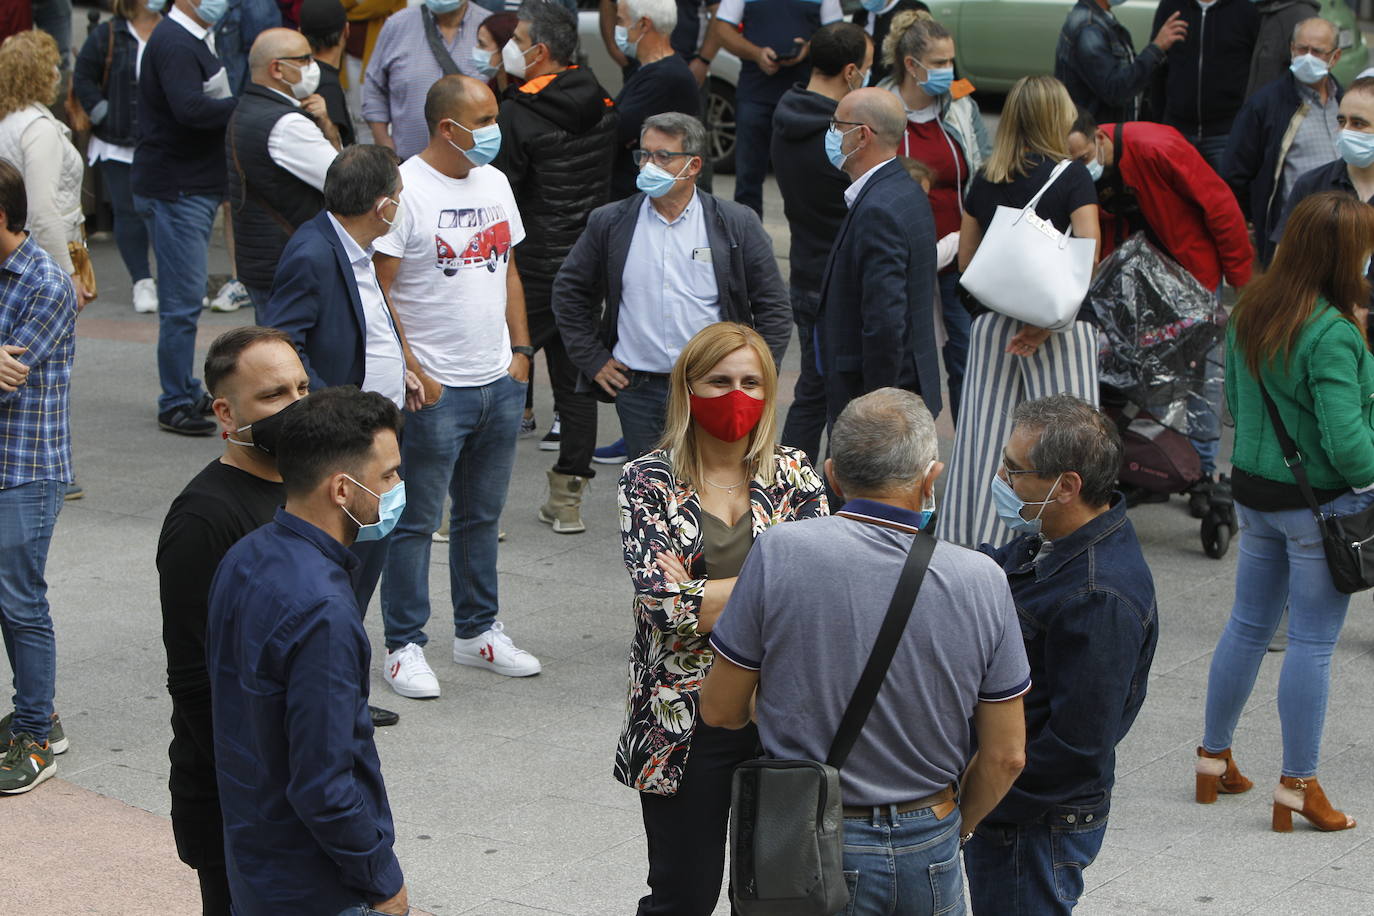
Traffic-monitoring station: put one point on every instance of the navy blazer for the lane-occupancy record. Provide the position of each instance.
(315, 300)
(876, 328)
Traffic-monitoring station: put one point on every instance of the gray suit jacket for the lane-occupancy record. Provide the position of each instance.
(587, 290)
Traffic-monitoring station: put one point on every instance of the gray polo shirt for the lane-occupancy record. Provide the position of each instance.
(805, 614)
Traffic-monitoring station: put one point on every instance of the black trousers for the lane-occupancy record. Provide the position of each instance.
(687, 831)
(214, 891)
(576, 411)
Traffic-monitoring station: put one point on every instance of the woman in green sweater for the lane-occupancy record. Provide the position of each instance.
(1300, 330)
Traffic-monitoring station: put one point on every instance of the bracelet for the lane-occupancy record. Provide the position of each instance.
(704, 60)
(524, 351)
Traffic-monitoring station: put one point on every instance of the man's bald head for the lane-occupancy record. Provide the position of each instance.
(458, 98)
(880, 110)
(275, 44)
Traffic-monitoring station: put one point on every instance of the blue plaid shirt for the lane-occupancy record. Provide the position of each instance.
(37, 311)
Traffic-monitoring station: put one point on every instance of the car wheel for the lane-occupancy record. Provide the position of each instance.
(720, 125)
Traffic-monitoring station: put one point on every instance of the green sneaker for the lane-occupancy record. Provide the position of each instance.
(26, 764)
(56, 737)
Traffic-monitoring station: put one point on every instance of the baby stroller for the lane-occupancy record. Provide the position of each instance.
(1158, 329)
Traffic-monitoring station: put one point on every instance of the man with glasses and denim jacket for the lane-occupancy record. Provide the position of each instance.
(1086, 602)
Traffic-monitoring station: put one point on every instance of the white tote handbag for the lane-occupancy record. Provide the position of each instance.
(1028, 270)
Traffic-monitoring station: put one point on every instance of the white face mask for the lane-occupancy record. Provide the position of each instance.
(395, 217)
(513, 59)
(309, 81)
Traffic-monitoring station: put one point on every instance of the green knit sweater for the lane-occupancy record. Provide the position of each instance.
(1325, 394)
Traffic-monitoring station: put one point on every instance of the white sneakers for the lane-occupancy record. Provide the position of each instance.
(145, 296)
(231, 297)
(494, 651)
(409, 674)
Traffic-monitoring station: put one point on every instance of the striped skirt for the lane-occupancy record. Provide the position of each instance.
(995, 382)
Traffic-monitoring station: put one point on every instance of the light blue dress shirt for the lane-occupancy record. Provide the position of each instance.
(669, 289)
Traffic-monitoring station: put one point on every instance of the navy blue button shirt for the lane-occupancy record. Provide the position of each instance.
(307, 826)
(1088, 616)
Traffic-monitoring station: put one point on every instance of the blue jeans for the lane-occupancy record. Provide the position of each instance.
(908, 864)
(1204, 411)
(28, 513)
(1037, 868)
(362, 909)
(130, 232)
(642, 407)
(1211, 149)
(806, 417)
(463, 445)
(257, 295)
(753, 135)
(958, 323)
(1281, 562)
(181, 240)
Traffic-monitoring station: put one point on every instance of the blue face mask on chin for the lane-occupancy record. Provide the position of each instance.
(156, 6)
(873, 6)
(212, 11)
(390, 505)
(486, 143)
(1009, 506)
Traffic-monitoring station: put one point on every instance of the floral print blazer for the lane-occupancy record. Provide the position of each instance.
(668, 657)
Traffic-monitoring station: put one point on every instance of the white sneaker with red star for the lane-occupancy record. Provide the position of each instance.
(494, 651)
(409, 674)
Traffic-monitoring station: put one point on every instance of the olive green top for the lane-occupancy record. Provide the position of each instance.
(723, 546)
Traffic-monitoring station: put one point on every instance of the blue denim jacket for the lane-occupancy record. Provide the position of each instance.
(1088, 616)
(1097, 63)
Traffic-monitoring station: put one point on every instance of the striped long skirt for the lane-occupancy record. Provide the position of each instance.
(995, 382)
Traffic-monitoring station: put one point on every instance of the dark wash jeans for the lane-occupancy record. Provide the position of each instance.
(806, 417)
(1036, 868)
(28, 513)
(642, 407)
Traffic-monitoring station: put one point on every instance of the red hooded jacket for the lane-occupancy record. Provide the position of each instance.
(1187, 205)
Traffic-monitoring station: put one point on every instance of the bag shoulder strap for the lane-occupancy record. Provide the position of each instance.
(109, 56)
(436, 44)
(894, 624)
(1058, 170)
(1291, 456)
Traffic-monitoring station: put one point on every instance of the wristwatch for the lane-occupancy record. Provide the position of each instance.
(526, 351)
(704, 60)
(963, 840)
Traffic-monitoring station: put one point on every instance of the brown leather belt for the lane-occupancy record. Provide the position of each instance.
(941, 803)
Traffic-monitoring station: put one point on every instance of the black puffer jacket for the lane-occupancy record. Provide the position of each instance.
(557, 147)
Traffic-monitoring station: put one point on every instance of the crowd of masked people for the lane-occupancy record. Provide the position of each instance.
(507, 205)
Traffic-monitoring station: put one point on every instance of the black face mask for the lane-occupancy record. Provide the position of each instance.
(266, 431)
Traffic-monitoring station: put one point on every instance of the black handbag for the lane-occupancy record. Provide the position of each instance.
(787, 816)
(1347, 540)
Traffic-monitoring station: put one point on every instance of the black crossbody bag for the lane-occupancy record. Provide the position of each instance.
(787, 816)
(1347, 540)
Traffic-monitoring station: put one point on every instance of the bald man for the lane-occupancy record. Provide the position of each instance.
(448, 268)
(876, 328)
(280, 143)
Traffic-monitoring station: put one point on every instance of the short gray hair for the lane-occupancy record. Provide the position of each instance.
(662, 14)
(883, 440)
(1331, 27)
(552, 25)
(1074, 436)
(680, 127)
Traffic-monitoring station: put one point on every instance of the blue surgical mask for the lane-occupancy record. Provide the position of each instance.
(390, 505)
(927, 513)
(1368, 262)
(1009, 506)
(440, 7)
(486, 143)
(622, 41)
(1309, 69)
(212, 11)
(156, 6)
(1116, 2)
(868, 75)
(834, 144)
(482, 61)
(656, 182)
(1356, 148)
(938, 81)
(1095, 170)
(873, 6)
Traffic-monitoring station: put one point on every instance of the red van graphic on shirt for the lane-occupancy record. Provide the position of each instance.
(483, 233)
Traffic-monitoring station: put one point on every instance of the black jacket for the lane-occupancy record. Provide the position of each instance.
(557, 147)
(1273, 46)
(1202, 83)
(112, 105)
(812, 189)
(1097, 63)
(882, 23)
(750, 288)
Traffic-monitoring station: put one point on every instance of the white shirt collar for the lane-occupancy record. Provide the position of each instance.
(851, 193)
(197, 30)
(352, 250)
(290, 98)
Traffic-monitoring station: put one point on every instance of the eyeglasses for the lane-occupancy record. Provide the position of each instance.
(661, 157)
(1011, 472)
(299, 57)
(1323, 53)
(835, 125)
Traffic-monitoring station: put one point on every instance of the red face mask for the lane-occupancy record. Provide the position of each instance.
(729, 417)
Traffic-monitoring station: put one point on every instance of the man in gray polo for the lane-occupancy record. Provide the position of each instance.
(802, 640)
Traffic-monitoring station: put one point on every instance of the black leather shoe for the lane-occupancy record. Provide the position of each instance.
(186, 421)
(205, 406)
(381, 718)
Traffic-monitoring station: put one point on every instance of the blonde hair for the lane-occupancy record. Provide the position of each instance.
(27, 60)
(1036, 120)
(709, 346)
(910, 33)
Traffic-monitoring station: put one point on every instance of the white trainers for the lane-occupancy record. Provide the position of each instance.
(409, 674)
(231, 297)
(145, 296)
(494, 651)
